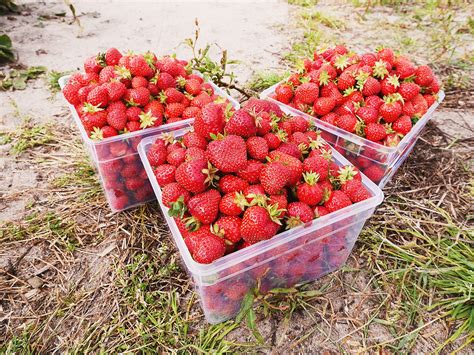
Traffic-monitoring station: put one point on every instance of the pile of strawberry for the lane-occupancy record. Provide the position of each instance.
(379, 96)
(126, 93)
(234, 181)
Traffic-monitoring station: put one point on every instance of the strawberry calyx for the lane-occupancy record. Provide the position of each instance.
(89, 108)
(220, 232)
(311, 178)
(211, 174)
(123, 72)
(379, 69)
(346, 173)
(274, 212)
(240, 200)
(97, 134)
(349, 91)
(394, 80)
(228, 112)
(324, 78)
(257, 200)
(181, 81)
(192, 224)
(100, 59)
(146, 119)
(178, 208)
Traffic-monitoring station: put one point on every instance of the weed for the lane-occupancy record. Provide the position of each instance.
(16, 79)
(316, 18)
(29, 135)
(6, 49)
(263, 80)
(53, 78)
(303, 3)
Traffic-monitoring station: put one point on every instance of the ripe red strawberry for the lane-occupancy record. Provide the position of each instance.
(402, 125)
(298, 138)
(228, 154)
(194, 153)
(320, 211)
(201, 100)
(112, 56)
(241, 124)
(255, 194)
(165, 81)
(404, 68)
(176, 157)
(138, 97)
(390, 84)
(419, 105)
(387, 55)
(430, 99)
(140, 67)
(251, 172)
(375, 132)
(70, 92)
(228, 227)
(172, 192)
(337, 201)
(117, 119)
(190, 175)
(408, 90)
(98, 96)
(274, 177)
(263, 123)
(90, 120)
(165, 174)
(116, 90)
(390, 111)
(307, 93)
(129, 170)
(368, 114)
(174, 110)
(374, 173)
(157, 153)
(139, 82)
(309, 191)
(211, 121)
(205, 206)
(347, 122)
(192, 139)
(232, 183)
(290, 148)
(132, 126)
(298, 213)
(91, 65)
(298, 124)
(323, 105)
(294, 165)
(284, 93)
(257, 148)
(274, 140)
(392, 140)
(134, 183)
(374, 102)
(346, 80)
(371, 87)
(259, 224)
(424, 75)
(233, 203)
(208, 247)
(355, 191)
(193, 86)
(281, 202)
(317, 164)
(330, 118)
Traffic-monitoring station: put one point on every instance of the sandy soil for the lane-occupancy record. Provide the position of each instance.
(256, 35)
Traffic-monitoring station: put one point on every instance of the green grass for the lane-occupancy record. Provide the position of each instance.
(52, 80)
(263, 80)
(29, 135)
(303, 3)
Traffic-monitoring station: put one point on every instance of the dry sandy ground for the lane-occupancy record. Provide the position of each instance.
(252, 33)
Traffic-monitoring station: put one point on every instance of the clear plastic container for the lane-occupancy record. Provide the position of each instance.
(379, 162)
(299, 255)
(123, 179)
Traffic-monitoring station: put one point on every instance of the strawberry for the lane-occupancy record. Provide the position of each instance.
(309, 191)
(419, 105)
(112, 56)
(390, 111)
(298, 213)
(204, 207)
(390, 85)
(251, 173)
(233, 203)
(284, 93)
(424, 75)
(355, 191)
(134, 183)
(320, 211)
(294, 165)
(259, 224)
(375, 132)
(347, 122)
(173, 193)
(165, 81)
(104, 132)
(174, 110)
(371, 87)
(346, 80)
(374, 173)
(374, 102)
(194, 175)
(368, 114)
(392, 140)
(298, 124)
(192, 139)
(232, 183)
(402, 125)
(404, 68)
(165, 174)
(263, 123)
(140, 67)
(323, 105)
(70, 92)
(330, 118)
(157, 153)
(241, 124)
(208, 247)
(211, 121)
(98, 96)
(201, 100)
(228, 227)
(94, 119)
(317, 164)
(191, 112)
(430, 99)
(408, 90)
(115, 90)
(255, 194)
(281, 202)
(194, 153)
(228, 154)
(387, 55)
(117, 119)
(274, 140)
(176, 157)
(193, 87)
(138, 97)
(337, 201)
(133, 113)
(274, 177)
(139, 82)
(290, 148)
(257, 148)
(307, 93)
(92, 66)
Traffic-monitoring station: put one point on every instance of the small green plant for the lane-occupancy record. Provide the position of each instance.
(52, 80)
(6, 49)
(7, 6)
(317, 18)
(303, 3)
(263, 80)
(27, 136)
(16, 79)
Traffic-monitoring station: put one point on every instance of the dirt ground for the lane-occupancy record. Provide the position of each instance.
(61, 275)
